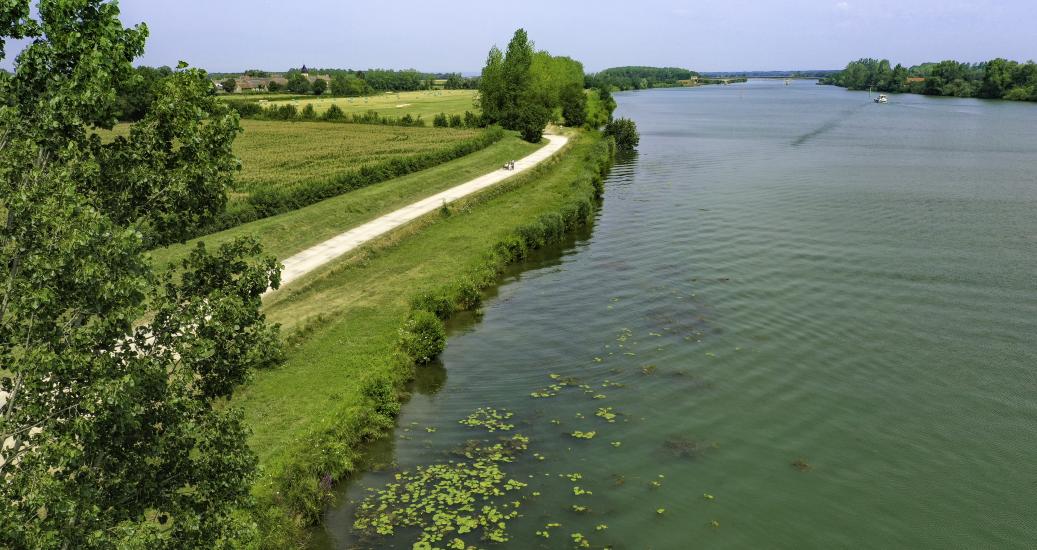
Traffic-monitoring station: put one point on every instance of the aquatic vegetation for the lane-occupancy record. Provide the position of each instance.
(490, 419)
(441, 500)
(579, 491)
(684, 447)
(606, 414)
(572, 477)
(648, 369)
(708, 496)
(580, 541)
(601, 527)
(578, 509)
(616, 443)
(801, 464)
(599, 396)
(714, 524)
(655, 483)
(583, 435)
(660, 511)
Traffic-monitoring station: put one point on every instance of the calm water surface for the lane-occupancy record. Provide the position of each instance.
(822, 312)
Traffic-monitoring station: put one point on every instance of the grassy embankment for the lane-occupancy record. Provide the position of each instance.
(426, 104)
(285, 234)
(338, 389)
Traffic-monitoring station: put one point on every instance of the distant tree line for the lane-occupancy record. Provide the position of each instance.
(523, 89)
(995, 79)
(639, 78)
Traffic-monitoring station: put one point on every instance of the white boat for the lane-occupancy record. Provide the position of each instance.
(882, 99)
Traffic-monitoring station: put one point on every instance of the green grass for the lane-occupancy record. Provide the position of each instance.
(312, 415)
(425, 104)
(286, 234)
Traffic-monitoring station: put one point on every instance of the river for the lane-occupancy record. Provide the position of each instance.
(814, 317)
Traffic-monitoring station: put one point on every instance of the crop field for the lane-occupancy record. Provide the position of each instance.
(276, 154)
(425, 104)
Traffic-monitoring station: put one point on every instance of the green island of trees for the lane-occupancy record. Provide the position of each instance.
(995, 79)
(640, 78)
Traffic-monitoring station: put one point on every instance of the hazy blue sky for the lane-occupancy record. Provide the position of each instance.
(454, 35)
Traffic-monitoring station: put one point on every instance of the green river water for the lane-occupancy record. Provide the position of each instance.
(817, 310)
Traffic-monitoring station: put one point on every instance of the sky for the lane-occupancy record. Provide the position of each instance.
(455, 35)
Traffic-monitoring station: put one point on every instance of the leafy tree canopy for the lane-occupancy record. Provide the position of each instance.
(111, 432)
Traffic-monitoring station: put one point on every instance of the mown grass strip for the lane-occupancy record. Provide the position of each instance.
(338, 389)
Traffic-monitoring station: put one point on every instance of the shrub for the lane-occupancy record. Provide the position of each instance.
(383, 393)
(624, 131)
(334, 113)
(466, 294)
(471, 120)
(422, 337)
(440, 121)
(532, 119)
(246, 109)
(284, 112)
(436, 303)
(308, 112)
(456, 121)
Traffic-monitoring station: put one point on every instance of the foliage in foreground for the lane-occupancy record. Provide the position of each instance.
(114, 433)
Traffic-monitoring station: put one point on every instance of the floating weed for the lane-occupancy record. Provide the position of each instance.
(708, 496)
(599, 396)
(710, 354)
(573, 476)
(583, 435)
(430, 429)
(606, 413)
(655, 484)
(490, 419)
(648, 369)
(714, 524)
(580, 541)
(801, 464)
(616, 443)
(578, 509)
(542, 394)
(601, 527)
(598, 359)
(555, 421)
(660, 511)
(579, 491)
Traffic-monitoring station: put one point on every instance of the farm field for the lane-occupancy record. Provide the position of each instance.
(425, 104)
(279, 154)
(291, 232)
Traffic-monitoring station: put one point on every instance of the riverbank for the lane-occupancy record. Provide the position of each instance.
(339, 387)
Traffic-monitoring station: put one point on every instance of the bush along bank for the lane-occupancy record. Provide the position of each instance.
(296, 487)
(272, 201)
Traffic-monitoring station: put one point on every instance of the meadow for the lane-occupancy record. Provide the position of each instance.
(426, 104)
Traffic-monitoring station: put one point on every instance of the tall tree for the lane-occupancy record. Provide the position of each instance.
(230, 85)
(113, 428)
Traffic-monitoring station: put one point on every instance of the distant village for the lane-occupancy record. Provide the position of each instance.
(257, 81)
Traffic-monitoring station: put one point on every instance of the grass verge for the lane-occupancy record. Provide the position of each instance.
(339, 387)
